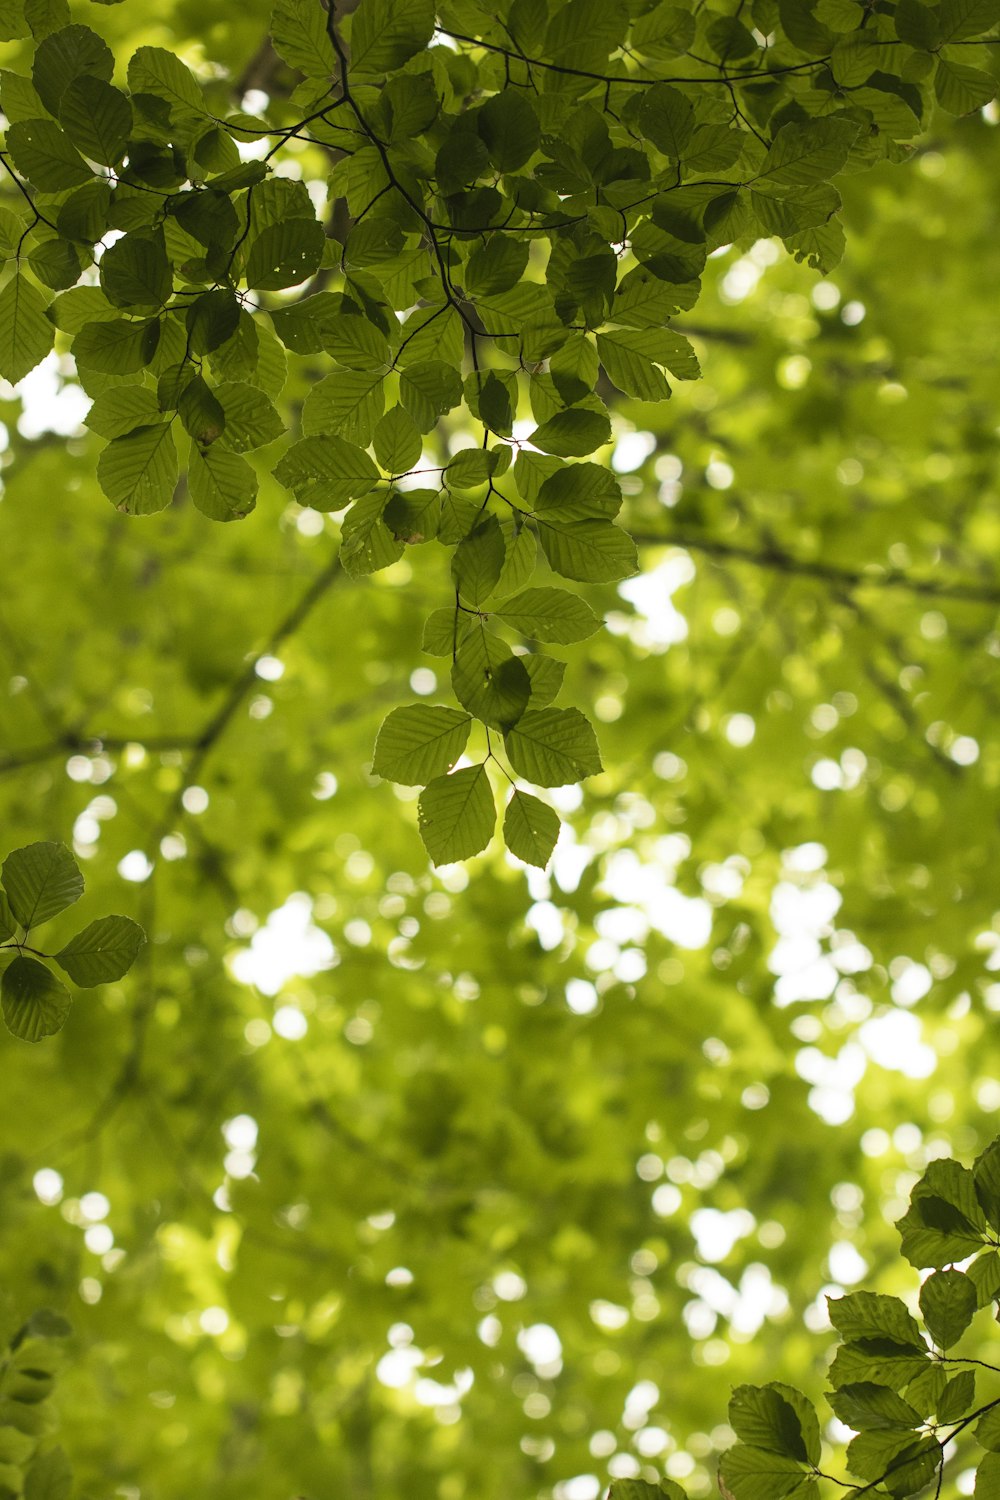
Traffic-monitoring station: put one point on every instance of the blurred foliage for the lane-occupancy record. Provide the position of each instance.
(352, 1130)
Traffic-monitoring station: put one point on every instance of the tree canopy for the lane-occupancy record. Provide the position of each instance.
(375, 1172)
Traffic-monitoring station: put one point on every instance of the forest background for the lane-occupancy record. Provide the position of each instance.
(375, 1178)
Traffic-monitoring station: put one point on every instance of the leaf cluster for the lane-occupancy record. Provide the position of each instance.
(518, 217)
(40, 881)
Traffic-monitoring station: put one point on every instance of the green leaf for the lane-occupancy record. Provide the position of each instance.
(385, 33)
(419, 742)
(428, 389)
(489, 680)
(138, 472)
(988, 1478)
(869, 1315)
(762, 1417)
(958, 1397)
(347, 403)
(966, 18)
(135, 271)
(755, 1474)
(509, 125)
(988, 1430)
(530, 829)
(56, 262)
(26, 335)
(545, 675)
(155, 71)
(457, 815)
(121, 410)
(200, 411)
(961, 89)
(917, 24)
(866, 1406)
(640, 1489)
(213, 319)
(326, 472)
(65, 55)
(8, 921)
(667, 118)
(572, 433)
(944, 1222)
(496, 266)
(46, 156)
(223, 485)
(104, 951)
(801, 155)
(856, 57)
(470, 468)
(574, 492)
(40, 881)
(553, 747)
(366, 542)
(948, 1305)
(251, 418)
(548, 614)
(298, 31)
(444, 629)
(630, 371)
(984, 1273)
(116, 347)
(305, 324)
(46, 16)
(97, 118)
(478, 561)
(356, 343)
(986, 1181)
(50, 1477)
(285, 254)
(587, 551)
(397, 442)
(35, 1003)
(413, 516)
(208, 216)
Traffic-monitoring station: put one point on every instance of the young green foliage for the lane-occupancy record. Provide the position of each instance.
(520, 213)
(39, 882)
(907, 1404)
(32, 1465)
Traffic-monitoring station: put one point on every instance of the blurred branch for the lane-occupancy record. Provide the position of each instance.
(779, 561)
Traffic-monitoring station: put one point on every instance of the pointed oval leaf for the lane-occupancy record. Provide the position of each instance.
(397, 441)
(138, 472)
(26, 335)
(548, 614)
(46, 156)
(223, 485)
(97, 118)
(530, 829)
(457, 815)
(572, 433)
(489, 680)
(419, 742)
(762, 1417)
(285, 254)
(104, 951)
(35, 1003)
(41, 880)
(948, 1305)
(325, 472)
(553, 747)
(298, 31)
(252, 420)
(478, 561)
(385, 33)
